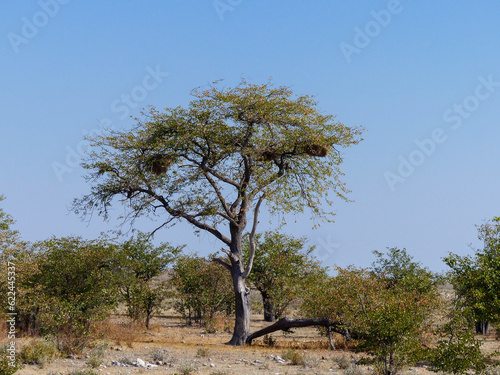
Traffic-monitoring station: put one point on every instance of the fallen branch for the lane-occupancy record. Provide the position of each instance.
(284, 324)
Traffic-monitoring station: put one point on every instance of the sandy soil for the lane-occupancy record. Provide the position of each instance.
(184, 348)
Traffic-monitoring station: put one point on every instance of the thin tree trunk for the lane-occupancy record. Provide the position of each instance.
(482, 328)
(330, 338)
(269, 314)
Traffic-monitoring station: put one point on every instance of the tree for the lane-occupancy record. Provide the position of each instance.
(477, 279)
(201, 289)
(281, 269)
(141, 263)
(390, 320)
(15, 264)
(73, 284)
(457, 350)
(398, 268)
(215, 162)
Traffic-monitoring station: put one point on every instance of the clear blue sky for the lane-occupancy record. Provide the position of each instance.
(423, 77)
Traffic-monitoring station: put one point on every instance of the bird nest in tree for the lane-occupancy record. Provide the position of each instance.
(269, 154)
(300, 148)
(158, 164)
(316, 150)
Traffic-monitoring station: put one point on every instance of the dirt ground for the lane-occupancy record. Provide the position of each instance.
(185, 350)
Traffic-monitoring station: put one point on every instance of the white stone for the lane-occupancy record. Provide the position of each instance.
(140, 362)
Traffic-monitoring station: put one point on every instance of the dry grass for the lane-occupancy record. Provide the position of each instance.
(121, 332)
(181, 348)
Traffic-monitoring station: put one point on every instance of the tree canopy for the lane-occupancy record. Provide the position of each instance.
(476, 279)
(216, 161)
(208, 162)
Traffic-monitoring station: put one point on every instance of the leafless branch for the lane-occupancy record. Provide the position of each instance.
(251, 257)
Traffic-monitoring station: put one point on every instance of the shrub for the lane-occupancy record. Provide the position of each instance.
(477, 279)
(203, 352)
(96, 357)
(7, 367)
(159, 355)
(281, 270)
(387, 309)
(270, 341)
(38, 353)
(202, 289)
(296, 358)
(141, 263)
(187, 368)
(73, 284)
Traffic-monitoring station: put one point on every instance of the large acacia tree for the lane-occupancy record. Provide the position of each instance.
(216, 161)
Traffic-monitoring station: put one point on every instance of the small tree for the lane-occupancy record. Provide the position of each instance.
(74, 284)
(457, 350)
(476, 279)
(201, 289)
(389, 320)
(281, 269)
(215, 162)
(398, 268)
(11, 248)
(141, 262)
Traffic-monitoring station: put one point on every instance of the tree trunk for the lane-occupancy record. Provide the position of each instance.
(482, 328)
(269, 314)
(242, 311)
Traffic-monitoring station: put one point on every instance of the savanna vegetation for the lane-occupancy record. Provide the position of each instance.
(214, 165)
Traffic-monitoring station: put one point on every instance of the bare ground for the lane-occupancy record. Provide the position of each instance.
(184, 349)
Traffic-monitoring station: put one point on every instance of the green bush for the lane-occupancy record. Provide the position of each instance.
(459, 355)
(73, 285)
(141, 263)
(5, 362)
(202, 289)
(281, 270)
(386, 309)
(38, 353)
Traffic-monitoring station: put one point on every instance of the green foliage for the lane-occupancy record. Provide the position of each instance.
(477, 279)
(12, 250)
(72, 285)
(398, 268)
(250, 139)
(141, 262)
(282, 270)
(391, 320)
(459, 355)
(7, 366)
(457, 351)
(38, 353)
(201, 288)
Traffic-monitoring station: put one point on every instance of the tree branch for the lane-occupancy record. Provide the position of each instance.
(190, 218)
(251, 238)
(284, 324)
(220, 261)
(220, 196)
(213, 172)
